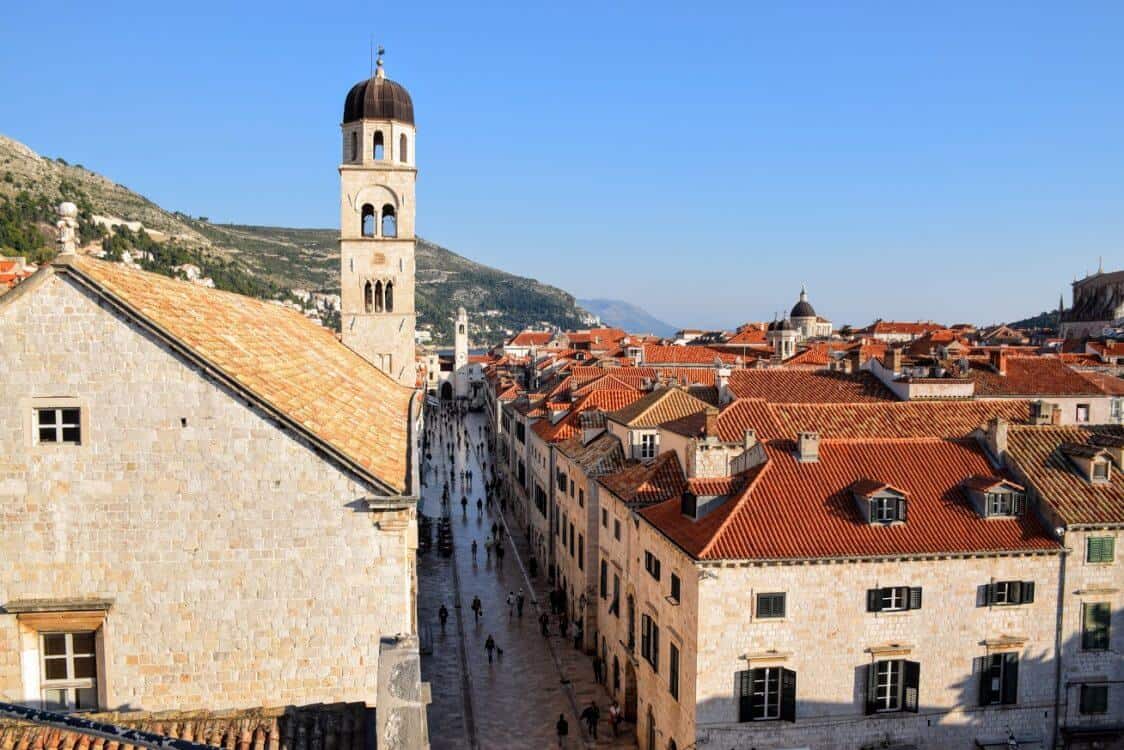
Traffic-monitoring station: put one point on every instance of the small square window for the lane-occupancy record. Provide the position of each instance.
(55, 425)
(1082, 413)
(69, 671)
(616, 529)
(1094, 699)
(675, 587)
(770, 605)
(604, 518)
(1100, 549)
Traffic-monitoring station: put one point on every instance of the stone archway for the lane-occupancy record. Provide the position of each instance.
(446, 391)
(629, 691)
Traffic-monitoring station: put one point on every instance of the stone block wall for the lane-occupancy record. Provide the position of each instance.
(243, 567)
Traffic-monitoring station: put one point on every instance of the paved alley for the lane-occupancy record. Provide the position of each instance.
(515, 701)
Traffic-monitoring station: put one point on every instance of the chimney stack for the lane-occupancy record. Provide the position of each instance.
(998, 358)
(711, 428)
(893, 360)
(808, 447)
(997, 438)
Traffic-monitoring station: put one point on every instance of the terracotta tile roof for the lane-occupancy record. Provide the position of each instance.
(278, 357)
(569, 425)
(1030, 376)
(903, 419)
(808, 387)
(323, 727)
(794, 510)
(746, 336)
(655, 354)
(531, 338)
(602, 455)
(901, 327)
(607, 382)
(1035, 451)
(657, 407)
(818, 354)
(644, 483)
(1109, 384)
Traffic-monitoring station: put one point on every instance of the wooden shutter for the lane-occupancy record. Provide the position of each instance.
(874, 600)
(872, 687)
(1018, 503)
(911, 682)
(915, 598)
(1010, 688)
(982, 666)
(788, 695)
(743, 689)
(655, 648)
(1014, 592)
(1028, 592)
(901, 509)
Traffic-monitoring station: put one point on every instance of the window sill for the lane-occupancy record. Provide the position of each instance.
(767, 620)
(672, 601)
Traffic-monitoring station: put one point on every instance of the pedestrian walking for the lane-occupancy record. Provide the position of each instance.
(533, 567)
(510, 604)
(598, 668)
(579, 635)
(615, 716)
(488, 548)
(477, 607)
(474, 550)
(562, 727)
(464, 505)
(479, 505)
(519, 599)
(591, 715)
(490, 647)
(499, 553)
(442, 615)
(544, 624)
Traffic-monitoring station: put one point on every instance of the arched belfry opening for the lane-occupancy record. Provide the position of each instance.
(389, 294)
(378, 147)
(378, 296)
(403, 148)
(354, 146)
(368, 297)
(389, 221)
(369, 220)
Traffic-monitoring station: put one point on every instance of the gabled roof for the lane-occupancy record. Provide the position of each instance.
(531, 338)
(991, 482)
(901, 419)
(871, 487)
(794, 510)
(1035, 451)
(808, 387)
(569, 425)
(1030, 376)
(644, 483)
(602, 455)
(659, 406)
(291, 366)
(1108, 384)
(655, 354)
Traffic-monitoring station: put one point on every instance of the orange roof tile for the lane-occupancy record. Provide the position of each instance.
(278, 357)
(808, 387)
(1030, 376)
(794, 510)
(659, 406)
(644, 483)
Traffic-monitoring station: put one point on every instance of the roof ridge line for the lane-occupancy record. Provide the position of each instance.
(741, 498)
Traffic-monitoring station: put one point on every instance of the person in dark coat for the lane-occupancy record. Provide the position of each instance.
(562, 727)
(591, 715)
(490, 647)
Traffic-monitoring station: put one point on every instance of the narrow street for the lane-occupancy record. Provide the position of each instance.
(515, 701)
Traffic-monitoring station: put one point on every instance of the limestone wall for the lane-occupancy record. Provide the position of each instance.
(244, 569)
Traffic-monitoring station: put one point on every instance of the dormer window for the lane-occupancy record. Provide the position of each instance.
(1101, 470)
(880, 503)
(1091, 460)
(994, 497)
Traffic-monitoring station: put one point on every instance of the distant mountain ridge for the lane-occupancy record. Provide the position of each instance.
(630, 317)
(261, 260)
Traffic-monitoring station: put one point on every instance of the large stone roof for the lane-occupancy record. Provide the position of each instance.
(280, 359)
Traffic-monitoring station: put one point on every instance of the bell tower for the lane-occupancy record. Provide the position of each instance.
(377, 175)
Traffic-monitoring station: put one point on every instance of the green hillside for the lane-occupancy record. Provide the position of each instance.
(261, 261)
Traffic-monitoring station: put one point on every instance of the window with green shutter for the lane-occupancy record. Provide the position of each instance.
(1095, 618)
(770, 605)
(1100, 549)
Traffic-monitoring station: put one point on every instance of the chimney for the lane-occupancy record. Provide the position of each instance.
(711, 428)
(722, 383)
(750, 438)
(855, 359)
(808, 447)
(1040, 412)
(893, 360)
(997, 438)
(998, 359)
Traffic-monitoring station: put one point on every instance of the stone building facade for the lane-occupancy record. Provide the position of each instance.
(192, 516)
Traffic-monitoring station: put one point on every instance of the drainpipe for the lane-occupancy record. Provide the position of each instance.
(1058, 640)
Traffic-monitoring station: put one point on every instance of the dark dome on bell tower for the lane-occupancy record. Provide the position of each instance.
(378, 98)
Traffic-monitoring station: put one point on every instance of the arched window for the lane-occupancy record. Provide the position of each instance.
(368, 297)
(378, 144)
(369, 220)
(389, 221)
(389, 294)
(354, 146)
(378, 296)
(403, 150)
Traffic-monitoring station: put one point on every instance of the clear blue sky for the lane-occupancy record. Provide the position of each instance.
(906, 160)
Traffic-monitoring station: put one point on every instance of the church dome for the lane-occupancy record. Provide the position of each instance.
(783, 324)
(803, 308)
(378, 98)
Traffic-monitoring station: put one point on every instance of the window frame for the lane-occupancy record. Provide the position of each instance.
(70, 684)
(673, 670)
(1106, 555)
(652, 565)
(751, 707)
(767, 613)
(1086, 697)
(61, 414)
(1099, 637)
(999, 679)
(647, 445)
(676, 589)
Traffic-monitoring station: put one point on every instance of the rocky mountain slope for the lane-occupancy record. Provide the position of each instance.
(264, 261)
